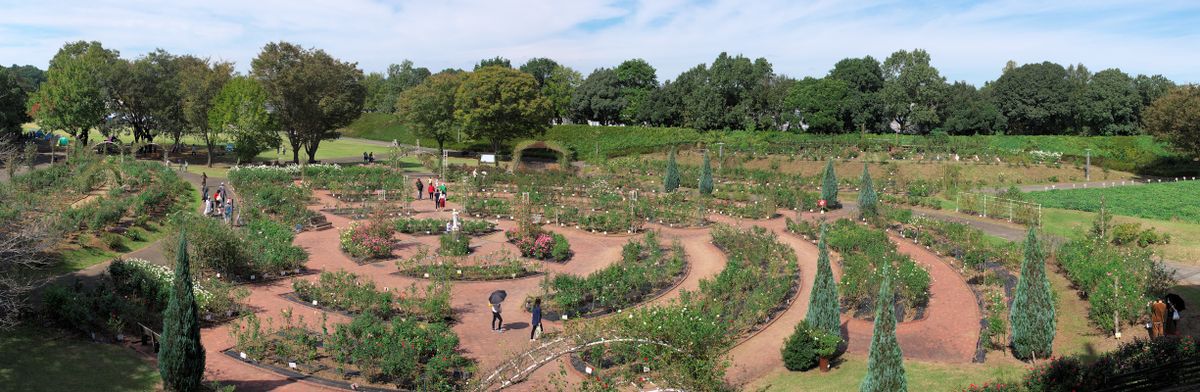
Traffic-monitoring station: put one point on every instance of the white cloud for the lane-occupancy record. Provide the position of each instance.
(968, 42)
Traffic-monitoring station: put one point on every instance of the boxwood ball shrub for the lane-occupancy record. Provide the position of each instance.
(806, 346)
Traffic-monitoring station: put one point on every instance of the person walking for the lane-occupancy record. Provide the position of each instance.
(441, 200)
(206, 203)
(229, 213)
(1171, 319)
(432, 196)
(371, 157)
(442, 191)
(535, 326)
(420, 189)
(497, 321)
(204, 181)
(1158, 312)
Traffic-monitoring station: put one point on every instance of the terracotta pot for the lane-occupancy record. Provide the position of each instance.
(823, 365)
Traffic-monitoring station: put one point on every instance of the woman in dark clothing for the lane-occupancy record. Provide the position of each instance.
(420, 190)
(536, 325)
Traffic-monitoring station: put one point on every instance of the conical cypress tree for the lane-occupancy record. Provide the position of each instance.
(671, 181)
(1032, 311)
(868, 201)
(829, 190)
(181, 357)
(885, 365)
(823, 306)
(706, 180)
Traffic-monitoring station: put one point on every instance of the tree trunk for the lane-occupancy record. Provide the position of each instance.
(496, 149)
(311, 149)
(210, 152)
(295, 149)
(441, 152)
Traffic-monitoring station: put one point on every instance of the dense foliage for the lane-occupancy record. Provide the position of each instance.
(181, 356)
(863, 251)
(351, 293)
(1114, 280)
(1132, 361)
(806, 345)
(645, 268)
(885, 362)
(372, 239)
(1032, 313)
(824, 308)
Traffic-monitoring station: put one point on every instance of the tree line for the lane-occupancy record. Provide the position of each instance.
(307, 95)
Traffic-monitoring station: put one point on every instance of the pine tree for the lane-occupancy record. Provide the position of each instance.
(706, 180)
(868, 201)
(823, 306)
(829, 190)
(885, 364)
(1032, 312)
(181, 357)
(671, 181)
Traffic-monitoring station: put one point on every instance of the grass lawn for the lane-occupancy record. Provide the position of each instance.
(1185, 237)
(922, 376)
(1170, 201)
(387, 127)
(41, 359)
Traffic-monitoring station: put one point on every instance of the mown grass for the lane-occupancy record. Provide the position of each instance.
(1168, 201)
(922, 376)
(1185, 237)
(46, 359)
(387, 127)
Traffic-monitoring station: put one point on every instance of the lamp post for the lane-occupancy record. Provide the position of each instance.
(1087, 166)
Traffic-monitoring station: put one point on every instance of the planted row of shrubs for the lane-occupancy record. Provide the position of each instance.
(351, 293)
(261, 248)
(645, 268)
(437, 226)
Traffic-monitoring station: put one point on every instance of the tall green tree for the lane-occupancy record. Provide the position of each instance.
(820, 103)
(200, 81)
(1150, 88)
(868, 201)
(312, 93)
(377, 96)
(78, 89)
(540, 68)
(824, 309)
(912, 90)
(829, 186)
(181, 356)
(1035, 98)
(599, 98)
(865, 77)
(429, 107)
(671, 179)
(146, 97)
(559, 89)
(498, 104)
(636, 79)
(969, 112)
(1175, 117)
(706, 177)
(1110, 104)
(12, 106)
(493, 62)
(1032, 312)
(239, 112)
(28, 77)
(885, 362)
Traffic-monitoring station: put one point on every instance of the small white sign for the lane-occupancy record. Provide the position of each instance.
(314, 302)
(487, 158)
(242, 354)
(292, 365)
(588, 369)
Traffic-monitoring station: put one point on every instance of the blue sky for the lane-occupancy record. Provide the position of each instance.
(968, 40)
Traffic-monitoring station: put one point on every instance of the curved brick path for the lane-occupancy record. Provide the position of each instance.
(947, 334)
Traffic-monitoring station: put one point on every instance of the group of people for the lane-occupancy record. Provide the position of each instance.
(436, 192)
(220, 204)
(369, 157)
(535, 324)
(1164, 316)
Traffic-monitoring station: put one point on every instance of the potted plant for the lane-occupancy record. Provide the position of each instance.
(826, 347)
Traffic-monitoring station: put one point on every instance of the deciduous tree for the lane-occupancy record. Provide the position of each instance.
(599, 98)
(312, 93)
(239, 112)
(78, 89)
(429, 107)
(912, 90)
(1175, 117)
(498, 104)
(200, 81)
(12, 107)
(1035, 98)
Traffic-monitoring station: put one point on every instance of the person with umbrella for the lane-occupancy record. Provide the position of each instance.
(495, 299)
(1171, 320)
(535, 326)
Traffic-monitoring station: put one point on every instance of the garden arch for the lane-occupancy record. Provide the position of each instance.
(560, 150)
(520, 366)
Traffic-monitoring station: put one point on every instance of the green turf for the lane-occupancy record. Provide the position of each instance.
(46, 359)
(387, 127)
(1165, 201)
(922, 376)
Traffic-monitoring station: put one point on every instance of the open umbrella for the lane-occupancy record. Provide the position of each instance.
(497, 296)
(1176, 301)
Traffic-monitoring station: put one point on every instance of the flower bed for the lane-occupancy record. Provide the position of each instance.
(495, 266)
(861, 248)
(371, 240)
(269, 192)
(645, 268)
(1113, 279)
(152, 283)
(438, 226)
(454, 244)
(260, 249)
(536, 243)
(368, 351)
(345, 291)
